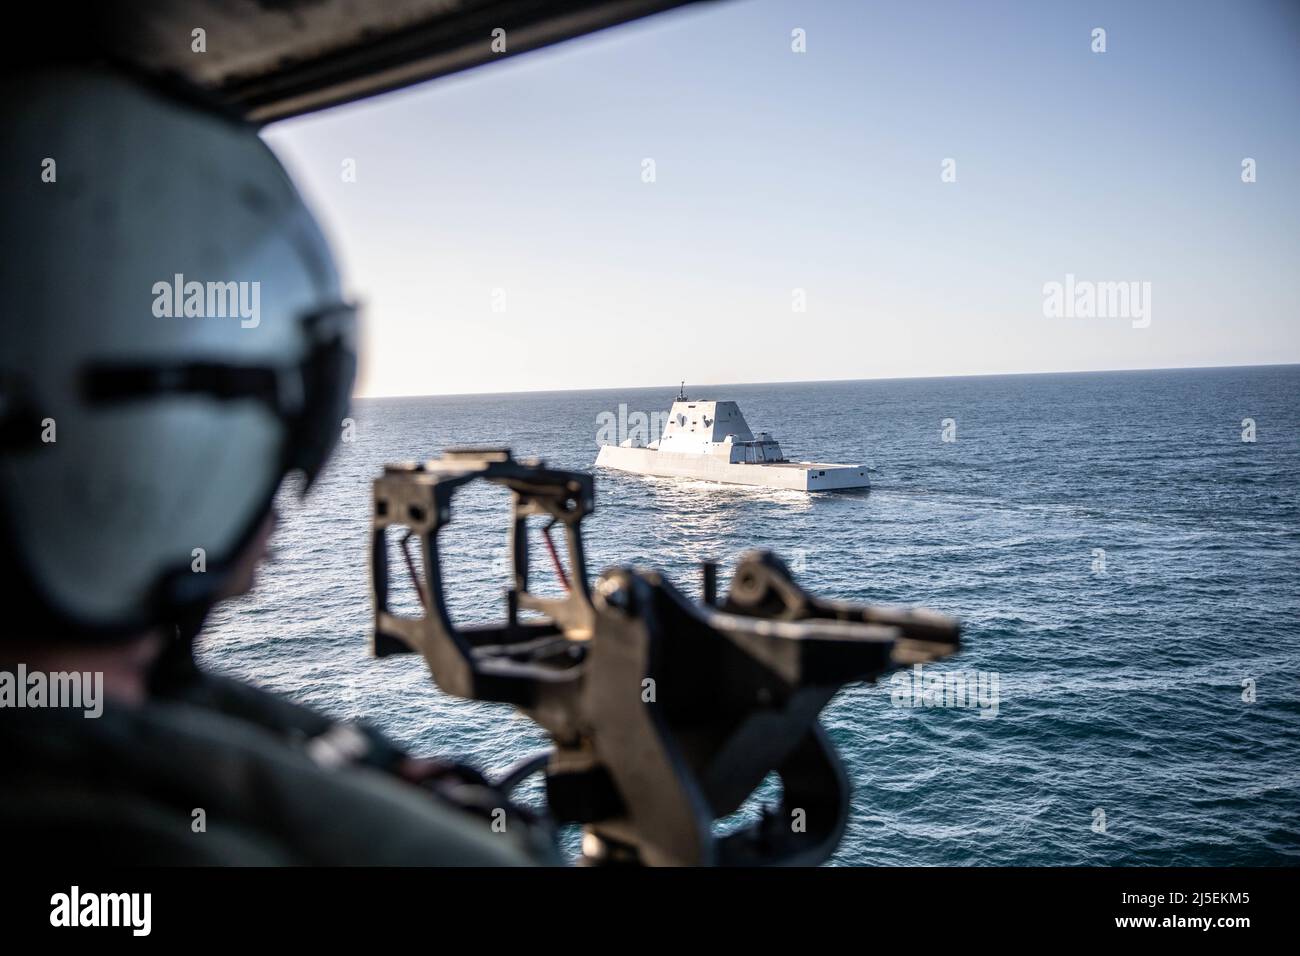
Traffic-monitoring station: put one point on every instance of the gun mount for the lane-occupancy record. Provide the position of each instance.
(665, 713)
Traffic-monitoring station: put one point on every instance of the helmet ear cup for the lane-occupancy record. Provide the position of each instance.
(328, 373)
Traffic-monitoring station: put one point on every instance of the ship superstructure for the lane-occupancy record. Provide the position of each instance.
(711, 440)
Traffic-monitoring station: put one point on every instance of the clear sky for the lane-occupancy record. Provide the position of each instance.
(821, 171)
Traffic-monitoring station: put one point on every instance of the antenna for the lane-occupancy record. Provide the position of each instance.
(681, 392)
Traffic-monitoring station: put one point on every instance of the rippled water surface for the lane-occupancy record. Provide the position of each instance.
(1120, 692)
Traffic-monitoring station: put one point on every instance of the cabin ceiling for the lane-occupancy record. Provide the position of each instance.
(271, 59)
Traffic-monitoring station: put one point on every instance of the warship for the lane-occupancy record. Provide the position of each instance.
(712, 441)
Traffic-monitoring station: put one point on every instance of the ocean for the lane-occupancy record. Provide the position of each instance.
(1124, 564)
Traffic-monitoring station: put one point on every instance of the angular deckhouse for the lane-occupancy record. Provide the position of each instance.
(712, 441)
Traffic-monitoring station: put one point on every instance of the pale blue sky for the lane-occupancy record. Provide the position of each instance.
(821, 171)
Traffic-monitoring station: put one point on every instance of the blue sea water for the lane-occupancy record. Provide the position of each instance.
(1120, 693)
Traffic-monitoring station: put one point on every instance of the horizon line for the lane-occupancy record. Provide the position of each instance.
(829, 381)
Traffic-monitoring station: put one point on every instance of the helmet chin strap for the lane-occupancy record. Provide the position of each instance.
(175, 666)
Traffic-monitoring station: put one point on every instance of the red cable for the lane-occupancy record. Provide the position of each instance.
(415, 578)
(555, 558)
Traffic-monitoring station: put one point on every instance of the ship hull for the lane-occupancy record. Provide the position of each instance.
(797, 476)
